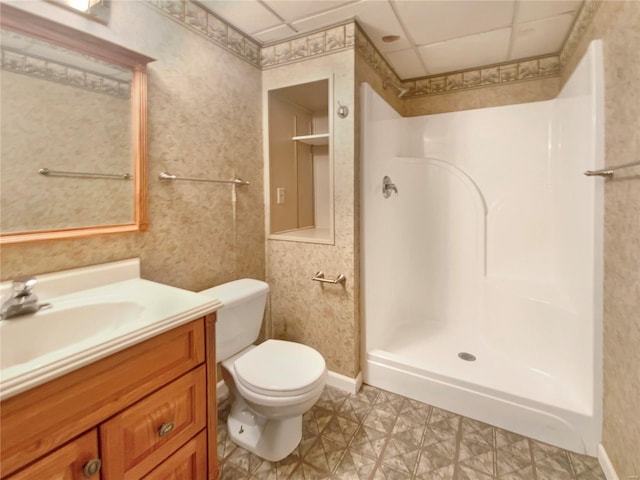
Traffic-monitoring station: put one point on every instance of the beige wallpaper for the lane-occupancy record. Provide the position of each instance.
(324, 317)
(50, 125)
(535, 90)
(617, 23)
(365, 73)
(199, 237)
(372, 68)
(204, 112)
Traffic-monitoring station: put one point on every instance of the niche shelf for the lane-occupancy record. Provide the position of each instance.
(317, 139)
(300, 163)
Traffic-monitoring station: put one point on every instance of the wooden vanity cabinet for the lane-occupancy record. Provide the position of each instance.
(148, 412)
(73, 461)
(137, 439)
(187, 463)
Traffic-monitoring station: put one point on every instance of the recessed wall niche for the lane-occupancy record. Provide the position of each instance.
(300, 163)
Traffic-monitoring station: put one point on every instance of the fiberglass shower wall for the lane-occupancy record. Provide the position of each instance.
(492, 246)
(473, 201)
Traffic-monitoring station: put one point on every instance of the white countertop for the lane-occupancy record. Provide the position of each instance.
(96, 311)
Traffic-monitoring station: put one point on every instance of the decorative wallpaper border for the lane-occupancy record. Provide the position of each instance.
(324, 42)
(350, 35)
(517, 71)
(583, 20)
(368, 51)
(64, 74)
(530, 69)
(202, 21)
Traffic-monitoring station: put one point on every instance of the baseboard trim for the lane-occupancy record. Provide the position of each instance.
(344, 383)
(222, 391)
(606, 465)
(335, 380)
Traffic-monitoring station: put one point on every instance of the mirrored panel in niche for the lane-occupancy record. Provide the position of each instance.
(73, 127)
(300, 163)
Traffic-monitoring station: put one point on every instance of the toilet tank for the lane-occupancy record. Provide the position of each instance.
(240, 317)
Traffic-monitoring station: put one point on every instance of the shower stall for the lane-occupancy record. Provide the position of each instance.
(482, 259)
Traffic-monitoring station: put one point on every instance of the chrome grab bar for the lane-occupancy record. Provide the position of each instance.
(60, 173)
(319, 277)
(608, 172)
(599, 173)
(234, 181)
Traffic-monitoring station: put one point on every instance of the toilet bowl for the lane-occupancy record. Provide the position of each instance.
(272, 384)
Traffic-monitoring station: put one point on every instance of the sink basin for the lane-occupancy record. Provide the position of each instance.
(26, 339)
(95, 312)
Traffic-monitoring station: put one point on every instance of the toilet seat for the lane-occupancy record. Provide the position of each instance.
(278, 368)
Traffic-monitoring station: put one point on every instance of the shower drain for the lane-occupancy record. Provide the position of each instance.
(469, 357)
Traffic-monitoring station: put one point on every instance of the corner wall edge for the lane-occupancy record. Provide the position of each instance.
(606, 465)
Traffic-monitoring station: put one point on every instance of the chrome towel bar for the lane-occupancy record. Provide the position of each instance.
(60, 173)
(319, 277)
(608, 172)
(234, 181)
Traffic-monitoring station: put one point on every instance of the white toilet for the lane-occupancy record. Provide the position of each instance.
(272, 384)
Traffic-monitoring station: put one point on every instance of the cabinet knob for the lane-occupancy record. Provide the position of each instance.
(165, 429)
(91, 467)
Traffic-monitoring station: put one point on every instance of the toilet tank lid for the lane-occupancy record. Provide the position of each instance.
(241, 290)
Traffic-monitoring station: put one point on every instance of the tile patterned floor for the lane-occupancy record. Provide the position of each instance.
(379, 435)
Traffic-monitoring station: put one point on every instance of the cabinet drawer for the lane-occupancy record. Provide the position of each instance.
(46, 417)
(188, 463)
(66, 463)
(139, 438)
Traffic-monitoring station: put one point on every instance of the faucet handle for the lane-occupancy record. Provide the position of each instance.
(23, 285)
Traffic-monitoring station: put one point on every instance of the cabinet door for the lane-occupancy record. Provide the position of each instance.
(138, 439)
(188, 463)
(48, 416)
(76, 460)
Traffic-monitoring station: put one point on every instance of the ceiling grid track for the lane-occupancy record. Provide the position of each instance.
(325, 31)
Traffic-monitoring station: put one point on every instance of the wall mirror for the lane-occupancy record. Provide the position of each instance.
(73, 127)
(300, 163)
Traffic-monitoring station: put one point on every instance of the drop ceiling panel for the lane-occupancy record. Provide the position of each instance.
(375, 16)
(436, 21)
(250, 16)
(274, 34)
(541, 36)
(536, 10)
(292, 10)
(379, 21)
(406, 64)
(441, 35)
(467, 52)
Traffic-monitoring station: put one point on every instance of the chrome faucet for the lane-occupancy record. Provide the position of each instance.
(22, 300)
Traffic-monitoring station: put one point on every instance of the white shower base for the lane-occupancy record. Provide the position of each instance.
(495, 388)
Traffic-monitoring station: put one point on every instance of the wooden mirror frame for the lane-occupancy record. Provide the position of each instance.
(16, 20)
